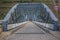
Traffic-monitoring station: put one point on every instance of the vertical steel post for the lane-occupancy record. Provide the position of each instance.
(56, 27)
(4, 25)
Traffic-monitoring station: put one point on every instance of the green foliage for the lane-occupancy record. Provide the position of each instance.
(2, 15)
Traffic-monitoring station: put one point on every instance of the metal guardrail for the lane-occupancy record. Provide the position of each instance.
(0, 21)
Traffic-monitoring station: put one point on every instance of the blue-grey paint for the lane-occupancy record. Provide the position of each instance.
(26, 11)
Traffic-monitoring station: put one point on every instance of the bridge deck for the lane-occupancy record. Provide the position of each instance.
(31, 31)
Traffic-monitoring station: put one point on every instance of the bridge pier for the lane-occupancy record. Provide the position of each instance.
(4, 26)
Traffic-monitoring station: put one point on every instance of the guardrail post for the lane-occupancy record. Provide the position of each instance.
(4, 25)
(56, 27)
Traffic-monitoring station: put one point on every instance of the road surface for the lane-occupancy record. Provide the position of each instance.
(31, 31)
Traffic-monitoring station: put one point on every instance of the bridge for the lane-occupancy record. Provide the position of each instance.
(30, 21)
(22, 12)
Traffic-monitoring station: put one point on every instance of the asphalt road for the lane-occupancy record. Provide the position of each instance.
(31, 31)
